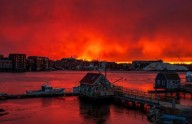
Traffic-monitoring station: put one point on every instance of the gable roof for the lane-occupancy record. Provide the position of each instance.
(171, 75)
(90, 78)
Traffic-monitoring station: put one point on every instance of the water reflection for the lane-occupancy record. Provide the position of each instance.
(46, 102)
(95, 113)
(70, 109)
(126, 116)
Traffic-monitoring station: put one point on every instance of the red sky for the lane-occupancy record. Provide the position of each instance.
(112, 30)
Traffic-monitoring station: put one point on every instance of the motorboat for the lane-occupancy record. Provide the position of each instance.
(46, 90)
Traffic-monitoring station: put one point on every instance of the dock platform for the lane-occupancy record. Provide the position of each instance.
(22, 96)
(125, 96)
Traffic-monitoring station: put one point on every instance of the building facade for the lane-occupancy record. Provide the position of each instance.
(37, 63)
(18, 62)
(140, 64)
(167, 80)
(1, 56)
(95, 85)
(5, 65)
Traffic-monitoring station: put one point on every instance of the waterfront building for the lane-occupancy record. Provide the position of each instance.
(1, 56)
(167, 80)
(5, 65)
(95, 85)
(18, 62)
(111, 65)
(71, 63)
(140, 64)
(52, 65)
(159, 66)
(124, 66)
(37, 63)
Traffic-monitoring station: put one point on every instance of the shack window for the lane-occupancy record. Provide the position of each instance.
(163, 82)
(93, 78)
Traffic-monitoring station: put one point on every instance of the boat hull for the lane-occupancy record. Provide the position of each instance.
(46, 93)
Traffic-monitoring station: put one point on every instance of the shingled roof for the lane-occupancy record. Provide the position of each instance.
(171, 75)
(90, 78)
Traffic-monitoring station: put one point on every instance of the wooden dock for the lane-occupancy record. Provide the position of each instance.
(183, 89)
(125, 96)
(22, 96)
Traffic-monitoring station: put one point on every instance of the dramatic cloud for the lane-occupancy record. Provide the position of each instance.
(113, 30)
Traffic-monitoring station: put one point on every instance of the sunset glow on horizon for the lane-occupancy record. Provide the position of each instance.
(108, 30)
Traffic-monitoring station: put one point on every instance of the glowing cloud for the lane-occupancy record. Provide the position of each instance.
(112, 30)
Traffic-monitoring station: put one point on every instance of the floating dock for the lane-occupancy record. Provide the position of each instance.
(22, 96)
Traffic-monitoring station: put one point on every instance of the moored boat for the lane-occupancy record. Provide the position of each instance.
(46, 90)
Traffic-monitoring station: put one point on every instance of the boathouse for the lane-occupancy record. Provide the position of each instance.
(95, 85)
(167, 80)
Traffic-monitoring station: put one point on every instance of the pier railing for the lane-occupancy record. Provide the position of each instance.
(186, 88)
(136, 95)
(68, 90)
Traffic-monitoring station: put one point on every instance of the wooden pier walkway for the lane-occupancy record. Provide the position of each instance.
(182, 91)
(186, 88)
(183, 88)
(126, 95)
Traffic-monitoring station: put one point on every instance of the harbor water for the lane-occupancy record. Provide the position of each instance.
(60, 110)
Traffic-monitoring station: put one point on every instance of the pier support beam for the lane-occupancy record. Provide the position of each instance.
(142, 106)
(173, 104)
(177, 95)
(191, 96)
(133, 105)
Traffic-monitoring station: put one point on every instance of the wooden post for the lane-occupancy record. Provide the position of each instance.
(173, 104)
(191, 95)
(134, 105)
(105, 72)
(177, 95)
(155, 91)
(142, 106)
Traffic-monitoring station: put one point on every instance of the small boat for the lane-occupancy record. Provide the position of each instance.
(189, 76)
(172, 119)
(46, 90)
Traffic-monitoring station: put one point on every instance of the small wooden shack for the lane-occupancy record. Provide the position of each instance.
(167, 80)
(95, 85)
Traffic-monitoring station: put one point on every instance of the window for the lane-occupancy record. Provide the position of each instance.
(93, 78)
(163, 82)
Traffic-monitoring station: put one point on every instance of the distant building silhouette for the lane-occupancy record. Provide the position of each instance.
(5, 65)
(18, 62)
(37, 63)
(1, 56)
(70, 63)
(140, 64)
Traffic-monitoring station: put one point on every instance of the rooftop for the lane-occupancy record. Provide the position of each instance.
(90, 78)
